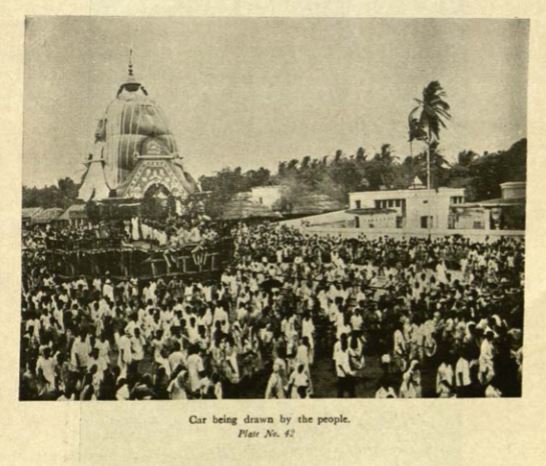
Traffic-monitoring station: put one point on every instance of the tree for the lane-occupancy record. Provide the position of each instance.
(68, 191)
(62, 195)
(466, 157)
(305, 162)
(434, 111)
(337, 174)
(361, 155)
(260, 177)
(292, 166)
(386, 161)
(433, 164)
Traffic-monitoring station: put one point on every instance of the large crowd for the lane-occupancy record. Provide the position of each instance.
(170, 233)
(428, 317)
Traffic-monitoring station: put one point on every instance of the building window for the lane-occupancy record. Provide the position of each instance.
(261, 200)
(426, 221)
(358, 204)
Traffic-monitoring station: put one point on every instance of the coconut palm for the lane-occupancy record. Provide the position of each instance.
(305, 162)
(438, 164)
(387, 161)
(434, 111)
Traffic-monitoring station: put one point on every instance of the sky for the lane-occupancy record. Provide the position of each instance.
(251, 92)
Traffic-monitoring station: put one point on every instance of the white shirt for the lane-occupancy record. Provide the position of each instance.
(399, 343)
(462, 371)
(137, 349)
(385, 393)
(48, 368)
(125, 355)
(195, 366)
(122, 393)
(444, 374)
(341, 359)
(492, 392)
(175, 359)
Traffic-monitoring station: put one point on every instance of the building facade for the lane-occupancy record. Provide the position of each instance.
(504, 213)
(373, 218)
(407, 208)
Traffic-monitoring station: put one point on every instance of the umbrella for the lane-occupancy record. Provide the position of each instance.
(271, 283)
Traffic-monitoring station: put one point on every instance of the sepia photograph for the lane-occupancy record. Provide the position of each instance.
(272, 208)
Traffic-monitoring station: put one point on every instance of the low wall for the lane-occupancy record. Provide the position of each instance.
(476, 235)
(328, 217)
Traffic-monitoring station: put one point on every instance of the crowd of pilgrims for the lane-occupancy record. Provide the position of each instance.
(421, 317)
(170, 233)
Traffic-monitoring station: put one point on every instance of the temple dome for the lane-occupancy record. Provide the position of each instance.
(133, 129)
(133, 125)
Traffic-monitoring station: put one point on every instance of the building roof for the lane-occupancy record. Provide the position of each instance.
(370, 211)
(270, 187)
(315, 203)
(74, 212)
(47, 215)
(242, 207)
(497, 202)
(513, 184)
(29, 212)
(417, 184)
(422, 192)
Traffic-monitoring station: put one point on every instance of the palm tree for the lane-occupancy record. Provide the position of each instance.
(386, 160)
(305, 162)
(434, 111)
(415, 129)
(292, 165)
(361, 155)
(436, 161)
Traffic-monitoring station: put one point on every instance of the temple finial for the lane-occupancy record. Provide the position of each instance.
(131, 62)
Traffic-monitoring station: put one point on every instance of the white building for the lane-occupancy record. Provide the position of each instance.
(513, 190)
(504, 213)
(373, 218)
(406, 208)
(268, 195)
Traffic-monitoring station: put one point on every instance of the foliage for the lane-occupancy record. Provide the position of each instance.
(227, 182)
(111, 211)
(62, 195)
(338, 174)
(434, 112)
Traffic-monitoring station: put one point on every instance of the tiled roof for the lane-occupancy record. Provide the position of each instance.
(47, 215)
(241, 207)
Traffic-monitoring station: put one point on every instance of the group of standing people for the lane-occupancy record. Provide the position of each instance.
(420, 317)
